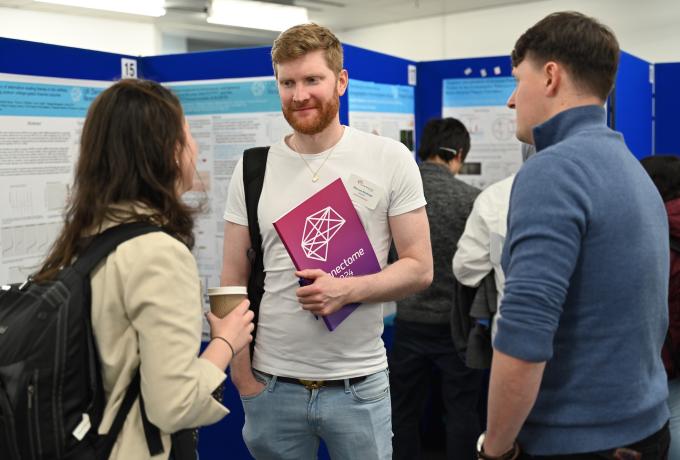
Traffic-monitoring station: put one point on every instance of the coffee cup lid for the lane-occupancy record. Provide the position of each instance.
(222, 290)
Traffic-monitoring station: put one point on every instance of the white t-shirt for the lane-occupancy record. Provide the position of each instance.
(291, 342)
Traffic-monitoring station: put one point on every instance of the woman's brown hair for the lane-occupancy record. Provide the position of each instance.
(129, 149)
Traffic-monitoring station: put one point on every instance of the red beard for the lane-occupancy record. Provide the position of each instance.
(312, 125)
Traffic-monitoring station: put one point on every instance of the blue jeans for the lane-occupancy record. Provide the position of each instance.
(674, 406)
(287, 421)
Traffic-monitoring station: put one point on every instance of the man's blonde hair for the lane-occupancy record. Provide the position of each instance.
(305, 38)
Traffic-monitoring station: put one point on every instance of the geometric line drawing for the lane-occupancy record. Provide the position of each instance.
(320, 228)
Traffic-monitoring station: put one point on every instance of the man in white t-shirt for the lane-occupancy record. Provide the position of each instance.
(305, 383)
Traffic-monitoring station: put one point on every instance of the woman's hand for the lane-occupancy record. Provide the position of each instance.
(237, 327)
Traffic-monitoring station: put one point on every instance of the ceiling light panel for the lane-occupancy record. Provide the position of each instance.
(141, 7)
(256, 15)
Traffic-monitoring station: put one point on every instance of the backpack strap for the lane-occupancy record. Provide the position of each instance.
(100, 247)
(254, 166)
(151, 432)
(102, 244)
(128, 400)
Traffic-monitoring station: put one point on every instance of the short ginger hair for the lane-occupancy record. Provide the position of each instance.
(305, 38)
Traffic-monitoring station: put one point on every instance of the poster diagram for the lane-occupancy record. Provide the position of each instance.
(41, 121)
(382, 109)
(480, 104)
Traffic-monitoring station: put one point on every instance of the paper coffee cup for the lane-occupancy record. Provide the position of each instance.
(224, 299)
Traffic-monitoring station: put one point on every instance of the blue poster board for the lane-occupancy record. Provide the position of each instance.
(632, 104)
(42, 60)
(209, 65)
(632, 101)
(667, 105)
(369, 66)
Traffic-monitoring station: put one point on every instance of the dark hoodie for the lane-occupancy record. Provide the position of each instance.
(673, 210)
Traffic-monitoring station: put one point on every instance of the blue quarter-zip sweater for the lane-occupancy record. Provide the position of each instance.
(586, 264)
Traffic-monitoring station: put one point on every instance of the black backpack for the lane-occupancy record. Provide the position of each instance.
(51, 396)
(254, 166)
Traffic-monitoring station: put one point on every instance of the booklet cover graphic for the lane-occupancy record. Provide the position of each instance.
(325, 232)
(320, 228)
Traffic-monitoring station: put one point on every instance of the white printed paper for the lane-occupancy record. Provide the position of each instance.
(480, 104)
(41, 121)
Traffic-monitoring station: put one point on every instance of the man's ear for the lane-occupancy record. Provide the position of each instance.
(456, 162)
(343, 81)
(552, 74)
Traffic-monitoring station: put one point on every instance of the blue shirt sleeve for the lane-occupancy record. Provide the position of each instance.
(549, 212)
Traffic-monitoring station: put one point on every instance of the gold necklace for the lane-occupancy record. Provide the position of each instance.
(315, 174)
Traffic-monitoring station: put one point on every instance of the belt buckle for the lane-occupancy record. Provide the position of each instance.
(312, 384)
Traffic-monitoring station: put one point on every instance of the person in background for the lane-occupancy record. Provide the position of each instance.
(481, 244)
(422, 337)
(137, 157)
(665, 173)
(586, 266)
(306, 384)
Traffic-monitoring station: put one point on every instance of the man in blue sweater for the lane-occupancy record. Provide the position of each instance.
(577, 371)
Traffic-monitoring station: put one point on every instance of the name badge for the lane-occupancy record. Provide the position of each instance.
(364, 192)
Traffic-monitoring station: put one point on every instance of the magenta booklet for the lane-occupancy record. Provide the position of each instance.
(325, 232)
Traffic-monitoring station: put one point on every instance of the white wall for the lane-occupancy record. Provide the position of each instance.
(649, 29)
(123, 37)
(173, 44)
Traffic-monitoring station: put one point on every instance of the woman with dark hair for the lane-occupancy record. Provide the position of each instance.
(137, 157)
(665, 173)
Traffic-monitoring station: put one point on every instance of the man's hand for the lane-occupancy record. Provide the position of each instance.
(249, 386)
(242, 375)
(325, 294)
(513, 388)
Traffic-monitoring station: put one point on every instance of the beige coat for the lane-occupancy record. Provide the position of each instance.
(146, 311)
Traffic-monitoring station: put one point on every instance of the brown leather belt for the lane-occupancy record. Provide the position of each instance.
(316, 384)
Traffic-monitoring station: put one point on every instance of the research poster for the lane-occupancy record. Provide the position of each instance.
(382, 109)
(480, 103)
(40, 124)
(226, 117)
(385, 110)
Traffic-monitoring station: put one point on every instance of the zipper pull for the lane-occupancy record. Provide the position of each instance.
(26, 283)
(30, 396)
